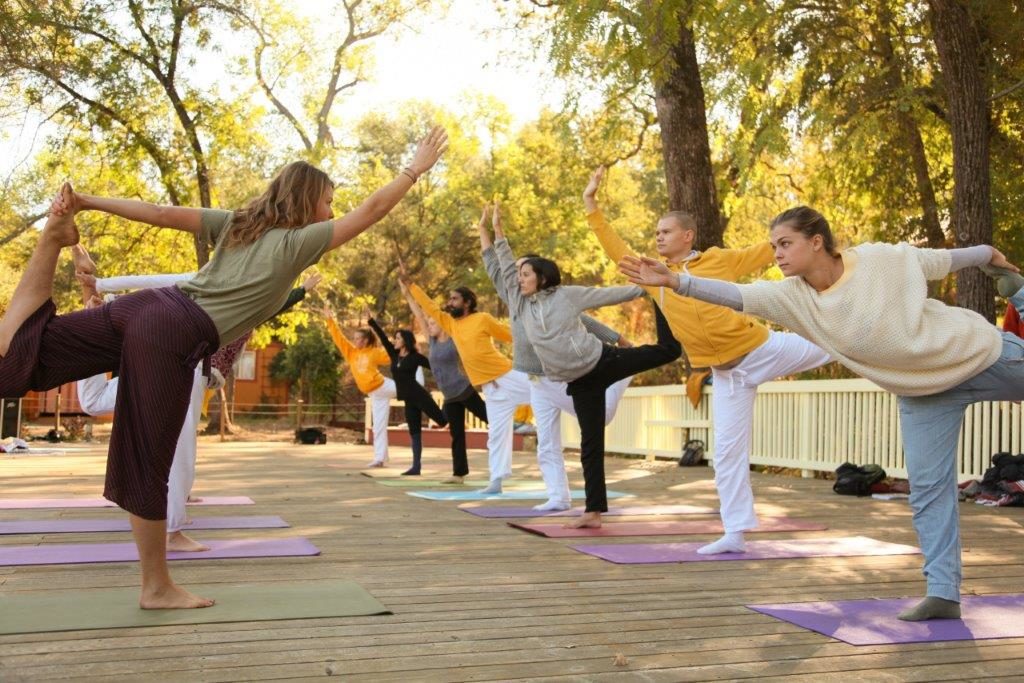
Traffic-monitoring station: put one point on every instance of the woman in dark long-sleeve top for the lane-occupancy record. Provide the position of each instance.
(406, 360)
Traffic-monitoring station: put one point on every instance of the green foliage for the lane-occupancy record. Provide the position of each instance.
(310, 365)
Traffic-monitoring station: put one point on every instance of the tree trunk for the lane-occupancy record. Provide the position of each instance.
(911, 133)
(679, 99)
(963, 70)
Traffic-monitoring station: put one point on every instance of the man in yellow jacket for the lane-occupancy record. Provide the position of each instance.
(504, 388)
(741, 352)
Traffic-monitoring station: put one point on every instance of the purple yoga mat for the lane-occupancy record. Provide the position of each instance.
(40, 503)
(126, 552)
(711, 526)
(874, 622)
(74, 526)
(506, 512)
(654, 553)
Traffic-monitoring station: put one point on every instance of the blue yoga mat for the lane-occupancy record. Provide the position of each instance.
(539, 494)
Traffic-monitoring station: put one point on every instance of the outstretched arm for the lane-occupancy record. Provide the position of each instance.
(340, 340)
(649, 272)
(183, 218)
(380, 203)
(614, 246)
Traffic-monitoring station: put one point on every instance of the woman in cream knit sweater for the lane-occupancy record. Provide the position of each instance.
(937, 359)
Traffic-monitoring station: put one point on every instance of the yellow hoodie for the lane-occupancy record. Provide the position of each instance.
(473, 335)
(364, 362)
(710, 334)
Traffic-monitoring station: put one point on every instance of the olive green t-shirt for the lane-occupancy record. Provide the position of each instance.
(245, 285)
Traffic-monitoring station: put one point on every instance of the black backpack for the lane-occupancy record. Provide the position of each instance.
(857, 480)
(693, 453)
(311, 435)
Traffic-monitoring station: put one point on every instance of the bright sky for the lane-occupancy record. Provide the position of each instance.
(438, 59)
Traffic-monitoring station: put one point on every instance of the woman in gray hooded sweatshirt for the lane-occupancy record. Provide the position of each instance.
(551, 317)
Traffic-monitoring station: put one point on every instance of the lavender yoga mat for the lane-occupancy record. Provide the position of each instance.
(874, 622)
(74, 526)
(41, 503)
(509, 512)
(711, 526)
(125, 552)
(654, 553)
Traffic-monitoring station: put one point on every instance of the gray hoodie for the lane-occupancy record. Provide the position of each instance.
(524, 358)
(551, 318)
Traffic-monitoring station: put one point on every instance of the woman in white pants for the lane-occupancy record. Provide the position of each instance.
(548, 397)
(364, 358)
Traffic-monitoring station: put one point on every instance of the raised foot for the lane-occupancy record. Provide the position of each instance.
(588, 520)
(172, 596)
(60, 224)
(931, 608)
(179, 542)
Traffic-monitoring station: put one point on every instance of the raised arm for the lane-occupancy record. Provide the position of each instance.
(491, 263)
(649, 272)
(509, 274)
(380, 203)
(339, 338)
(613, 245)
(432, 309)
(417, 312)
(384, 341)
(182, 218)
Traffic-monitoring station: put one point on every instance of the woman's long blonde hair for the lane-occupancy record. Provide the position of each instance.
(289, 202)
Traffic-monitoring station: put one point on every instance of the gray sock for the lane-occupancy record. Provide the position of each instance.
(932, 608)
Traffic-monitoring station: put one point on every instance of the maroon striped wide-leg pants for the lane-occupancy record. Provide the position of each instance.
(154, 338)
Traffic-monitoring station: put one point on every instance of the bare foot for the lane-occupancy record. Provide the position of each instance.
(172, 596)
(82, 261)
(60, 224)
(179, 542)
(453, 480)
(194, 499)
(588, 520)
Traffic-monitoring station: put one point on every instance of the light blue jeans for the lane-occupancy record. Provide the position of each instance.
(931, 428)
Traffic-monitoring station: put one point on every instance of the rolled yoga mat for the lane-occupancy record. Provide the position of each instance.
(85, 553)
(654, 553)
(539, 494)
(42, 503)
(73, 610)
(509, 512)
(76, 526)
(874, 622)
(710, 526)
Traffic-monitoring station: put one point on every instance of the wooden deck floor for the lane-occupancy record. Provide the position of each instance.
(475, 600)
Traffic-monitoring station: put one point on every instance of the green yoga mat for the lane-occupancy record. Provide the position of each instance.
(65, 610)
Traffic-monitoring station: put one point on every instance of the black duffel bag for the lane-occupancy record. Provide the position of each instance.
(857, 480)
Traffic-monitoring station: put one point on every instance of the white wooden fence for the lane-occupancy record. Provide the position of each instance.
(808, 425)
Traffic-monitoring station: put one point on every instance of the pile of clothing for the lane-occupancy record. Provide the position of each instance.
(1002, 485)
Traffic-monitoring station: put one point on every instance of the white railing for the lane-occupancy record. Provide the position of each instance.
(808, 425)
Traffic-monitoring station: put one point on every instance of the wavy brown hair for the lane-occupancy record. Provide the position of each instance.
(289, 202)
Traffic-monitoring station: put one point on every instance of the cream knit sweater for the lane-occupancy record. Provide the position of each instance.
(878, 321)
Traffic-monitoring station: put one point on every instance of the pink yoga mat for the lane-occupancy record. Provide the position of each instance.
(73, 526)
(654, 553)
(40, 503)
(509, 512)
(711, 526)
(874, 622)
(125, 552)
